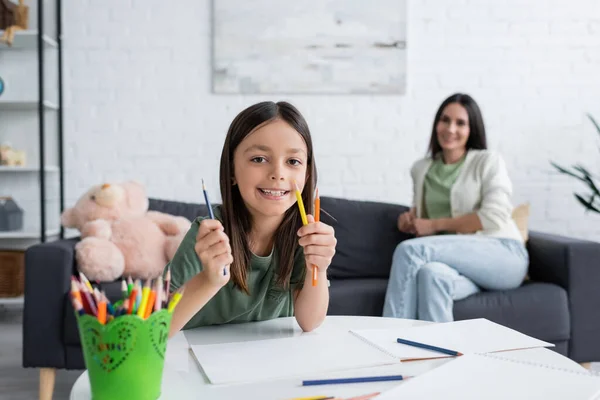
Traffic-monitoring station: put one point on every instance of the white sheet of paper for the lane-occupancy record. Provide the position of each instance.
(176, 356)
(468, 336)
(491, 377)
(304, 355)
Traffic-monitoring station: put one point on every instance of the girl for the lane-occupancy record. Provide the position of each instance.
(462, 215)
(255, 234)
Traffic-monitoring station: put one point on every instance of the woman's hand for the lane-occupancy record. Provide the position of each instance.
(318, 240)
(406, 221)
(424, 227)
(213, 250)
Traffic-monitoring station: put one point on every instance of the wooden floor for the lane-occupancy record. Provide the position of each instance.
(20, 383)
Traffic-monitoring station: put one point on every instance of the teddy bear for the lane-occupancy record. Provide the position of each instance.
(120, 237)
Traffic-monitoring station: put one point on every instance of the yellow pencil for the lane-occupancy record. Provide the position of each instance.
(305, 222)
(173, 303)
(301, 204)
(144, 302)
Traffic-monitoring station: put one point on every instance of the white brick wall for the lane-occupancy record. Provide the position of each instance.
(138, 102)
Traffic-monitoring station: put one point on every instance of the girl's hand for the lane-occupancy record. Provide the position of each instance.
(424, 227)
(318, 240)
(213, 250)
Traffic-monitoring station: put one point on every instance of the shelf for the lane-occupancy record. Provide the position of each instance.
(11, 300)
(28, 40)
(28, 234)
(49, 168)
(15, 105)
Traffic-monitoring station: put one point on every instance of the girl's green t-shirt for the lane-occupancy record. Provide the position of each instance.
(266, 300)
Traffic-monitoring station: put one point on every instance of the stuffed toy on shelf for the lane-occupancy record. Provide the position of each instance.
(13, 18)
(11, 157)
(120, 237)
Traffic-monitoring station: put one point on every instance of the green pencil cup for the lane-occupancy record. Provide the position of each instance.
(125, 357)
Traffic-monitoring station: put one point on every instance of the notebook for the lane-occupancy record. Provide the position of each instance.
(308, 354)
(468, 336)
(491, 377)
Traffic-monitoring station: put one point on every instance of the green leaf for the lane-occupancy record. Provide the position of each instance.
(587, 204)
(594, 122)
(567, 172)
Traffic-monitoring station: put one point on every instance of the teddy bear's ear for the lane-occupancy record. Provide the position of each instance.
(68, 218)
(136, 196)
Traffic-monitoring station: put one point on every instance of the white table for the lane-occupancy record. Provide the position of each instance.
(188, 381)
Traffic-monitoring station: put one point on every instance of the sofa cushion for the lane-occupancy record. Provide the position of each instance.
(188, 210)
(367, 236)
(357, 297)
(537, 309)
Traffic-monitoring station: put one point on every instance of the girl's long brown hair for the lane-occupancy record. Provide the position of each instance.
(236, 217)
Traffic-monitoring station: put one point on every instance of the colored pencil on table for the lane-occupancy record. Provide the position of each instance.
(315, 271)
(429, 347)
(210, 212)
(352, 380)
(304, 222)
(365, 396)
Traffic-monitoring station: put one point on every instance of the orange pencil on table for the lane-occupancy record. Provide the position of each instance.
(304, 222)
(315, 271)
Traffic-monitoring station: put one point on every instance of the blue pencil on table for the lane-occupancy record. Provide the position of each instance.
(210, 211)
(429, 347)
(353, 380)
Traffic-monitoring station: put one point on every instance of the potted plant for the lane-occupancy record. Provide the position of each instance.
(590, 201)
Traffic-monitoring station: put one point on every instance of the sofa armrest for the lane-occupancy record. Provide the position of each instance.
(48, 270)
(573, 264)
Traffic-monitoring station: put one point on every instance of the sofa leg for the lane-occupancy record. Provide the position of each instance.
(47, 377)
(586, 365)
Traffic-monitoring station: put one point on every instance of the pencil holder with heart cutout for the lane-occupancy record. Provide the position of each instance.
(125, 357)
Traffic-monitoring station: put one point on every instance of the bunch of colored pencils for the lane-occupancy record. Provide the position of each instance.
(136, 300)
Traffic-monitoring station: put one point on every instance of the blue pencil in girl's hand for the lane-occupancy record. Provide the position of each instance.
(210, 212)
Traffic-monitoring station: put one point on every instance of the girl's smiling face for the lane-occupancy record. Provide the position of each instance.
(266, 164)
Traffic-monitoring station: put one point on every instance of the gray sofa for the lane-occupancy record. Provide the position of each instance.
(558, 304)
